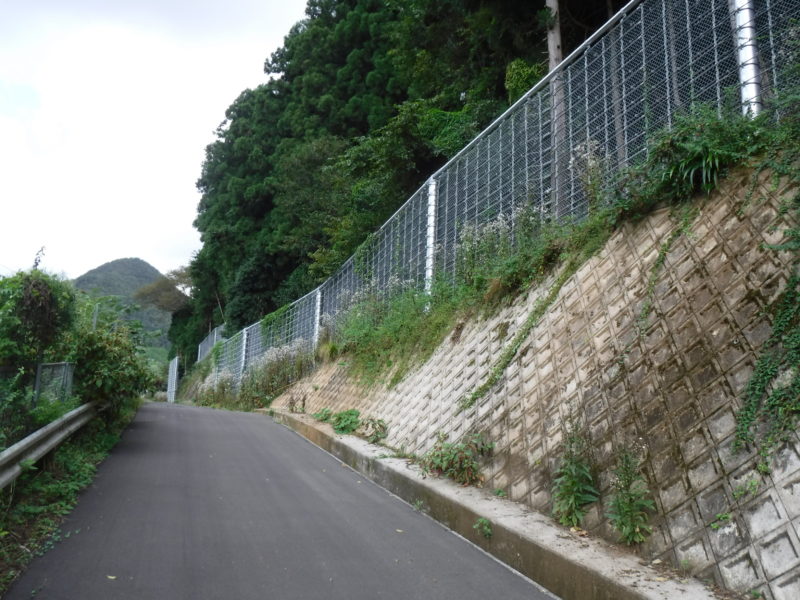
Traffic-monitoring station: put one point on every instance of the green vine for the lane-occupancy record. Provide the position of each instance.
(273, 317)
(687, 215)
(771, 401)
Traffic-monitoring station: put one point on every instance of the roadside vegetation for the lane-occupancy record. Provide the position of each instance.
(44, 319)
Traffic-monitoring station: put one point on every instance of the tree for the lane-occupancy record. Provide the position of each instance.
(35, 310)
(163, 293)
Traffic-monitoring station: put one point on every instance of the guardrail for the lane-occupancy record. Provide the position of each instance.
(39, 443)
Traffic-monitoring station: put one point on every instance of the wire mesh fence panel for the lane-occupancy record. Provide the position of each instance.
(228, 362)
(777, 24)
(557, 148)
(172, 379)
(53, 382)
(340, 291)
(208, 343)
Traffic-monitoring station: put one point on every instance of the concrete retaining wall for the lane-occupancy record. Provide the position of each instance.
(672, 390)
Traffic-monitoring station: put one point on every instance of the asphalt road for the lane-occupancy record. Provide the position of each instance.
(199, 504)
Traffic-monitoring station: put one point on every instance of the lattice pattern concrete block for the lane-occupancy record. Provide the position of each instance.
(779, 552)
(672, 378)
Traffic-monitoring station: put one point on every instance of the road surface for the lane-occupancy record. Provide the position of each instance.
(200, 504)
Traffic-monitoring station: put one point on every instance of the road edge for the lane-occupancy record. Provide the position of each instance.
(567, 564)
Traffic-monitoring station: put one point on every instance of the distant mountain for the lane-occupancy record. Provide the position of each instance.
(122, 278)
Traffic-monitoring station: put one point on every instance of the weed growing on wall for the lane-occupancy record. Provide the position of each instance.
(573, 486)
(346, 421)
(629, 505)
(388, 334)
(771, 401)
(484, 527)
(375, 430)
(323, 416)
(457, 460)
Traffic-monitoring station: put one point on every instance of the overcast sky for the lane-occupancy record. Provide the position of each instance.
(106, 107)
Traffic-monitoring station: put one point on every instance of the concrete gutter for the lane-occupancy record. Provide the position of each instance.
(567, 564)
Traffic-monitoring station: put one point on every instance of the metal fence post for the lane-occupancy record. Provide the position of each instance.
(747, 56)
(172, 380)
(430, 239)
(317, 316)
(243, 362)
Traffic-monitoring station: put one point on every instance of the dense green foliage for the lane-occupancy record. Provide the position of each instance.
(365, 100)
(35, 309)
(44, 319)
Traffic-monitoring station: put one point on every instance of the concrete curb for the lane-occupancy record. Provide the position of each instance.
(573, 567)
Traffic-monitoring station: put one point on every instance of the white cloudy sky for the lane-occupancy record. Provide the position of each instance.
(106, 107)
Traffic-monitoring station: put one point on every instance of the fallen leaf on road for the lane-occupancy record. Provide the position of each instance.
(399, 530)
(111, 576)
(661, 578)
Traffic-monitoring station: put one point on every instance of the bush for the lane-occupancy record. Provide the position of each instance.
(36, 309)
(108, 369)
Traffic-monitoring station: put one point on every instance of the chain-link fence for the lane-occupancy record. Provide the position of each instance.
(208, 344)
(53, 382)
(571, 133)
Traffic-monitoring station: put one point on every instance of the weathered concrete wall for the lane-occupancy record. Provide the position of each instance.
(672, 390)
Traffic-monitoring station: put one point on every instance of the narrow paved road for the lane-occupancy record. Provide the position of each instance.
(199, 504)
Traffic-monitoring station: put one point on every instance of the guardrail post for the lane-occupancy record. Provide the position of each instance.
(430, 239)
(747, 56)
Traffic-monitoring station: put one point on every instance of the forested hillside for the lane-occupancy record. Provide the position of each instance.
(122, 278)
(365, 99)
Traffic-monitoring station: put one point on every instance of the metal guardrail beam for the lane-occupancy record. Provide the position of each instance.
(39, 443)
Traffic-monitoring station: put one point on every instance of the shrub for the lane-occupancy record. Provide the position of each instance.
(108, 368)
